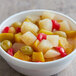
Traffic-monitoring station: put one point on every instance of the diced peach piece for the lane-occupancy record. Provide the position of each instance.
(75, 42)
(45, 24)
(6, 36)
(21, 56)
(69, 49)
(63, 42)
(48, 15)
(54, 40)
(35, 45)
(44, 46)
(71, 33)
(28, 26)
(64, 26)
(46, 32)
(17, 37)
(38, 57)
(27, 20)
(28, 38)
(51, 53)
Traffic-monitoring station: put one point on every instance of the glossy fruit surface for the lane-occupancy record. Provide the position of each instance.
(16, 24)
(5, 30)
(37, 56)
(27, 50)
(41, 36)
(6, 36)
(22, 56)
(11, 51)
(6, 44)
(61, 51)
(55, 24)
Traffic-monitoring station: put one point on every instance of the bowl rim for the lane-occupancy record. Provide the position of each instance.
(27, 11)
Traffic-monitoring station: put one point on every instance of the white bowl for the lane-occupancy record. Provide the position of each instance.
(33, 68)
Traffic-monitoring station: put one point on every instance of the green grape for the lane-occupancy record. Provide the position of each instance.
(16, 24)
(27, 50)
(6, 44)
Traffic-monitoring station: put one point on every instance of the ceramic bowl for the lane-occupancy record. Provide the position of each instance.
(34, 68)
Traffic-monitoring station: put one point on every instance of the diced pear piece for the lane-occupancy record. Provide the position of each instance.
(22, 56)
(53, 58)
(64, 26)
(17, 46)
(63, 42)
(38, 57)
(48, 15)
(28, 38)
(60, 33)
(54, 39)
(28, 26)
(45, 24)
(17, 37)
(71, 33)
(44, 46)
(46, 32)
(51, 53)
(33, 18)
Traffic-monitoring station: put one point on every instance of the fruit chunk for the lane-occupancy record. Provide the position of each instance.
(33, 18)
(12, 30)
(45, 24)
(56, 25)
(27, 50)
(60, 33)
(28, 26)
(28, 38)
(64, 26)
(51, 53)
(63, 43)
(74, 42)
(6, 36)
(5, 30)
(69, 49)
(11, 51)
(52, 59)
(48, 15)
(61, 51)
(54, 39)
(17, 37)
(46, 32)
(21, 56)
(41, 36)
(71, 33)
(17, 46)
(18, 29)
(37, 56)
(27, 20)
(16, 24)
(35, 45)
(44, 46)
(6, 44)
